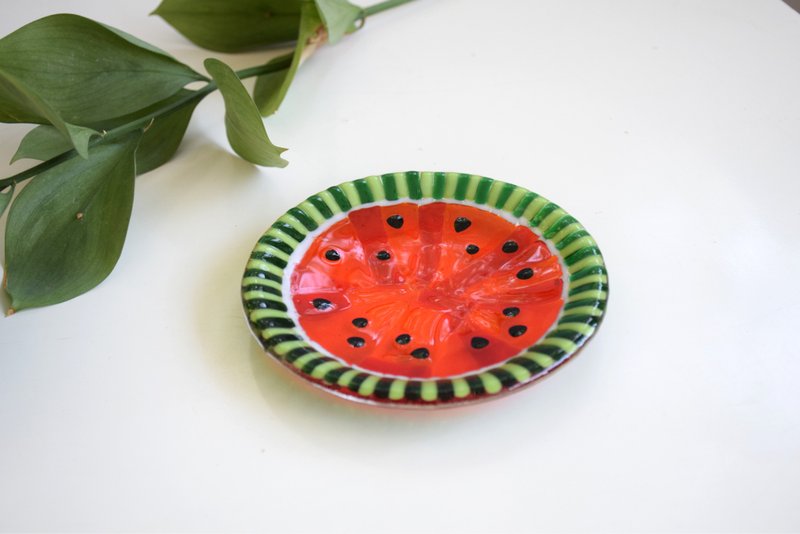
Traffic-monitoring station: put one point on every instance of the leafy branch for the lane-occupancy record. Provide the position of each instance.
(110, 107)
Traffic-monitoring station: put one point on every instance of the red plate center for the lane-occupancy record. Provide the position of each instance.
(429, 290)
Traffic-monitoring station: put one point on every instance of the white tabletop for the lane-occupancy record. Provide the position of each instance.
(670, 129)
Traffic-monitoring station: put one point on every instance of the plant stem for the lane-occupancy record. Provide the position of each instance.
(276, 64)
(383, 6)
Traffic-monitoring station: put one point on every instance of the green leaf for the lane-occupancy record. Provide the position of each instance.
(270, 89)
(244, 125)
(339, 16)
(66, 228)
(19, 103)
(233, 26)
(159, 142)
(5, 198)
(85, 71)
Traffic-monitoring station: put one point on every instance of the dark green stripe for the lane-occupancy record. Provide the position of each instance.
(264, 304)
(506, 378)
(340, 198)
(533, 367)
(414, 187)
(304, 218)
(389, 186)
(277, 243)
(580, 254)
(356, 381)
(544, 212)
(321, 205)
(588, 287)
(289, 230)
(570, 238)
(309, 367)
(260, 287)
(559, 225)
(461, 187)
(587, 271)
(524, 203)
(445, 390)
(258, 273)
(333, 375)
(601, 304)
(269, 258)
(590, 320)
(413, 390)
(550, 350)
(475, 385)
(270, 290)
(570, 335)
(439, 182)
(482, 192)
(363, 191)
(275, 322)
(277, 340)
(296, 353)
(382, 388)
(505, 192)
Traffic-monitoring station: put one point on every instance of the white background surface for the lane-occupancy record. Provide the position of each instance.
(671, 129)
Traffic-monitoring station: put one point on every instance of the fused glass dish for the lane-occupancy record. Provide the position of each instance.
(424, 288)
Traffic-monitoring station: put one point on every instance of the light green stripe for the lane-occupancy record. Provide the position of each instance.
(264, 266)
(460, 388)
(250, 280)
(269, 332)
(428, 391)
(564, 344)
(519, 372)
(472, 187)
(534, 207)
(292, 221)
(312, 211)
(255, 315)
(426, 183)
(566, 231)
(258, 294)
(330, 201)
(585, 241)
(286, 238)
(351, 193)
(261, 247)
(491, 383)
(590, 294)
(588, 261)
(397, 389)
(543, 360)
(376, 187)
(285, 348)
(367, 387)
(347, 377)
(514, 199)
(599, 277)
(582, 328)
(548, 221)
(401, 184)
(586, 310)
(305, 358)
(323, 368)
(450, 184)
(494, 193)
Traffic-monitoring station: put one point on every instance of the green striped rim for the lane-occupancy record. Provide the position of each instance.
(583, 310)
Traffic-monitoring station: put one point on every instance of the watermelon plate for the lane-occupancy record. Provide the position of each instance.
(424, 288)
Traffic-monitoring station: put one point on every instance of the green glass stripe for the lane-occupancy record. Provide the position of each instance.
(482, 193)
(523, 204)
(580, 254)
(323, 369)
(277, 340)
(363, 191)
(251, 274)
(414, 187)
(347, 376)
(461, 187)
(277, 243)
(356, 381)
(491, 383)
(532, 366)
(506, 378)
(269, 258)
(304, 218)
(309, 367)
(294, 354)
(266, 304)
(587, 287)
(570, 238)
(445, 390)
(397, 390)
(570, 335)
(475, 385)
(544, 212)
(274, 322)
(585, 302)
(367, 387)
(428, 391)
(382, 388)
(332, 376)
(321, 205)
(504, 194)
(439, 181)
(559, 225)
(548, 350)
(389, 186)
(594, 269)
(460, 388)
(340, 198)
(590, 320)
(521, 374)
(289, 230)
(413, 390)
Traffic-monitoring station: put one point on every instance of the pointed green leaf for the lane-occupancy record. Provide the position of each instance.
(17, 100)
(159, 142)
(244, 125)
(66, 228)
(339, 16)
(5, 198)
(85, 71)
(270, 89)
(228, 26)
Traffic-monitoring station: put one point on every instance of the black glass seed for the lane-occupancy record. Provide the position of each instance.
(511, 312)
(332, 255)
(479, 342)
(356, 341)
(525, 273)
(395, 221)
(472, 249)
(461, 224)
(517, 330)
(360, 322)
(420, 353)
(322, 304)
(403, 339)
(510, 246)
(383, 255)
